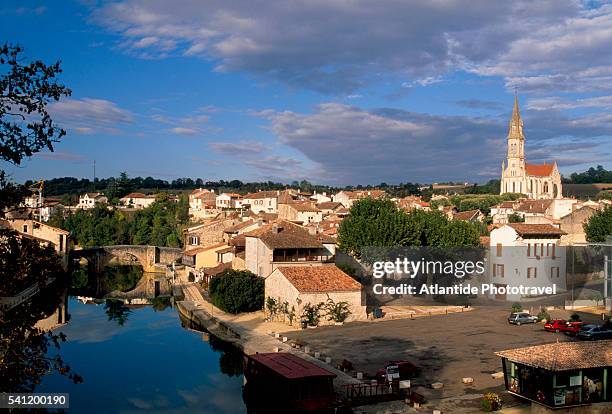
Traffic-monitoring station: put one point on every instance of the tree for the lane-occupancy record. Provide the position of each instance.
(599, 226)
(26, 128)
(25, 124)
(237, 291)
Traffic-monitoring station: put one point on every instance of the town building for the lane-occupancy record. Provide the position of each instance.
(200, 200)
(329, 207)
(561, 375)
(527, 255)
(90, 200)
(473, 216)
(321, 197)
(573, 225)
(58, 238)
(311, 285)
(300, 212)
(262, 201)
(228, 201)
(137, 200)
(208, 233)
(410, 203)
(534, 180)
(283, 243)
(347, 198)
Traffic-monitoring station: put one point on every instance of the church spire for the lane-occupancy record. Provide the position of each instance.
(515, 130)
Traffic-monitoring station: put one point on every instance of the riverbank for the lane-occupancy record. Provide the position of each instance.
(249, 332)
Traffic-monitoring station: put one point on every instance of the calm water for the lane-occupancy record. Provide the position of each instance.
(149, 363)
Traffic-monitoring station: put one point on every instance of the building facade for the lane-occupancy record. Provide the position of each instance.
(534, 180)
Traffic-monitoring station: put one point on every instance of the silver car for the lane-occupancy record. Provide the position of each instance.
(519, 318)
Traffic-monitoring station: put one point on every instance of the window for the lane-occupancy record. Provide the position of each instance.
(498, 270)
(554, 272)
(194, 240)
(532, 272)
(499, 249)
(535, 249)
(554, 247)
(25, 228)
(529, 250)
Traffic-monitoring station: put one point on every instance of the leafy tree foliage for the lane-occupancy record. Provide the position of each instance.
(379, 223)
(158, 225)
(236, 291)
(481, 202)
(592, 175)
(599, 226)
(25, 128)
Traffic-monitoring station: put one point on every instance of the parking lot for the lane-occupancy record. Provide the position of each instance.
(446, 347)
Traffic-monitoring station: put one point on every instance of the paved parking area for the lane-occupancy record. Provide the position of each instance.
(446, 347)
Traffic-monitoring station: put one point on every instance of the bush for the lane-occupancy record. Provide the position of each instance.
(574, 317)
(311, 314)
(516, 307)
(543, 315)
(491, 402)
(236, 291)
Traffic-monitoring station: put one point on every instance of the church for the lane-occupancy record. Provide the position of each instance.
(536, 181)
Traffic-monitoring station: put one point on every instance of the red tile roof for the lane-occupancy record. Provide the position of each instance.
(536, 229)
(534, 206)
(319, 279)
(563, 356)
(540, 170)
(466, 215)
(283, 234)
(290, 366)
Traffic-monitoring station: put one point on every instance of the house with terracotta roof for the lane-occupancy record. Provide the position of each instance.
(262, 201)
(473, 216)
(321, 197)
(347, 198)
(201, 199)
(573, 225)
(283, 243)
(410, 203)
(228, 201)
(534, 180)
(310, 285)
(561, 376)
(527, 255)
(137, 200)
(300, 212)
(89, 200)
(208, 233)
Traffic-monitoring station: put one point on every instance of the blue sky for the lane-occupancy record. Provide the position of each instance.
(333, 91)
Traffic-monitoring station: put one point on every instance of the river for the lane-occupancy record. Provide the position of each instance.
(137, 359)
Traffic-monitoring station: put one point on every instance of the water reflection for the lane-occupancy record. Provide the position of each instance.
(127, 342)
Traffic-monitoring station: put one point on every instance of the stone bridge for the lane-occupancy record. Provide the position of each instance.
(149, 257)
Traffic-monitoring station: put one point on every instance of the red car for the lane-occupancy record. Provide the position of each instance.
(572, 328)
(555, 325)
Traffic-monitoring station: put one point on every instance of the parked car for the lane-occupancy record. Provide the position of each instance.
(572, 328)
(519, 318)
(556, 325)
(594, 332)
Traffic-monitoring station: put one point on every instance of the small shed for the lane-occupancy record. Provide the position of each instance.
(288, 382)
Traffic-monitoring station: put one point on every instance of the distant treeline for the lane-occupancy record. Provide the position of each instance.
(591, 176)
(117, 187)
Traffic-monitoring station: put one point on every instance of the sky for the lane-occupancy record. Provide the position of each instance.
(333, 91)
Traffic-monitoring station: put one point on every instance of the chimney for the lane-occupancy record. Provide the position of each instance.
(276, 229)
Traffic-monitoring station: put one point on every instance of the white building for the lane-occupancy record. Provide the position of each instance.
(347, 198)
(228, 201)
(321, 197)
(137, 200)
(262, 201)
(528, 255)
(89, 200)
(301, 286)
(301, 212)
(283, 243)
(201, 199)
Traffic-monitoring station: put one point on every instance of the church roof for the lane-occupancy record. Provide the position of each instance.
(540, 170)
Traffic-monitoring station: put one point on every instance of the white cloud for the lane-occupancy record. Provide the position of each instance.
(89, 115)
(354, 145)
(337, 46)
